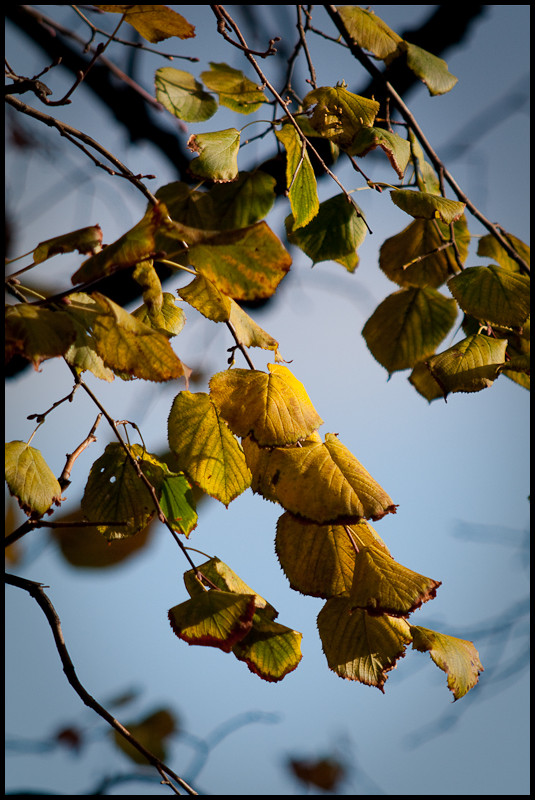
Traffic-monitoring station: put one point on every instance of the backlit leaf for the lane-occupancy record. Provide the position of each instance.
(300, 178)
(493, 294)
(205, 448)
(135, 245)
(177, 503)
(30, 479)
(154, 23)
(489, 246)
(382, 586)
(270, 650)
(321, 482)
(338, 114)
(213, 618)
(470, 365)
(246, 264)
(407, 326)
(458, 658)
(359, 646)
(273, 406)
(370, 32)
(417, 257)
(427, 206)
(223, 577)
(36, 333)
(319, 560)
(85, 240)
(430, 69)
(114, 498)
(424, 383)
(183, 96)
(127, 345)
(203, 295)
(234, 89)
(335, 232)
(396, 148)
(169, 319)
(218, 154)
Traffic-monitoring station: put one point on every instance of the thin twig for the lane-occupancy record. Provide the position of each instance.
(36, 591)
(368, 64)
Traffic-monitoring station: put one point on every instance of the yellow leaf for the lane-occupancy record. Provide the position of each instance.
(319, 560)
(154, 23)
(214, 619)
(273, 406)
(270, 650)
(382, 586)
(358, 646)
(320, 482)
(205, 448)
(458, 658)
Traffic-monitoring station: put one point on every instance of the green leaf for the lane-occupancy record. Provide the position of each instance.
(427, 206)
(370, 32)
(169, 319)
(183, 96)
(177, 503)
(338, 114)
(235, 90)
(359, 646)
(424, 383)
(213, 619)
(30, 479)
(126, 345)
(470, 365)
(493, 294)
(273, 406)
(270, 650)
(37, 333)
(114, 498)
(82, 309)
(319, 560)
(382, 586)
(335, 233)
(430, 69)
(154, 23)
(300, 178)
(489, 246)
(458, 658)
(84, 240)
(218, 155)
(205, 448)
(407, 326)
(417, 257)
(396, 148)
(320, 482)
(151, 732)
(135, 245)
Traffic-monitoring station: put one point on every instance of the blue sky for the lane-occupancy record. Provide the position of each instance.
(459, 472)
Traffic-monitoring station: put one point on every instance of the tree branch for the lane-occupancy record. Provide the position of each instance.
(36, 591)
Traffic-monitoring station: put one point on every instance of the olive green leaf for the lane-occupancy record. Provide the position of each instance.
(430, 69)
(154, 23)
(37, 333)
(270, 650)
(458, 658)
(338, 114)
(493, 294)
(84, 240)
(152, 732)
(218, 155)
(427, 205)
(300, 178)
(489, 247)
(169, 319)
(370, 32)
(30, 479)
(407, 326)
(470, 365)
(183, 96)
(235, 90)
(397, 149)
(213, 618)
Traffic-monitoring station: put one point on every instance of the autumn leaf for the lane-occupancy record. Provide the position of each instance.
(321, 482)
(183, 96)
(397, 149)
(154, 23)
(30, 479)
(300, 178)
(470, 365)
(370, 32)
(359, 646)
(213, 618)
(493, 294)
(234, 89)
(151, 732)
(430, 69)
(338, 114)
(205, 448)
(36, 333)
(218, 155)
(273, 406)
(84, 240)
(270, 650)
(221, 576)
(427, 206)
(458, 658)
